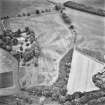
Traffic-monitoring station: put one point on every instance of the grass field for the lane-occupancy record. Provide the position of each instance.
(90, 31)
(13, 7)
(94, 3)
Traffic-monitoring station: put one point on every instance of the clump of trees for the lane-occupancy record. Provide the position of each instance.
(6, 40)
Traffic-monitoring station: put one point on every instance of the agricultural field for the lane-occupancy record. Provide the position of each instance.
(55, 40)
(94, 3)
(90, 31)
(17, 6)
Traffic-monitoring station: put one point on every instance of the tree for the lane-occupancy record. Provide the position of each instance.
(66, 18)
(7, 40)
(8, 48)
(24, 14)
(14, 41)
(7, 32)
(27, 29)
(28, 14)
(58, 7)
(62, 99)
(37, 12)
(19, 15)
(1, 18)
(69, 97)
(42, 11)
(4, 17)
(18, 31)
(47, 10)
(7, 17)
(71, 27)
